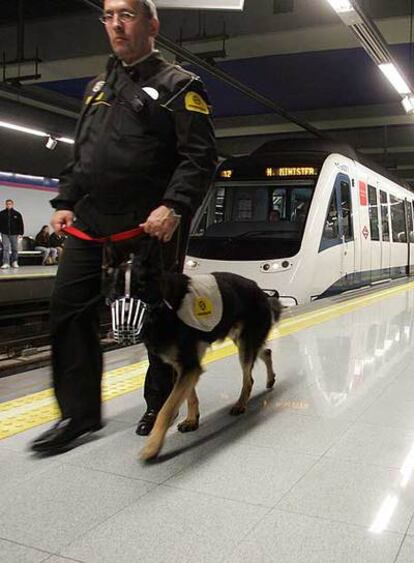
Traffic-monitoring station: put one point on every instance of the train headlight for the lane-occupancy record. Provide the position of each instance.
(191, 264)
(273, 267)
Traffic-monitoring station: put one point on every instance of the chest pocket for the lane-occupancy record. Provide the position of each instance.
(139, 115)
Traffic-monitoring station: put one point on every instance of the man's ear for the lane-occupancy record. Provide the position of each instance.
(154, 27)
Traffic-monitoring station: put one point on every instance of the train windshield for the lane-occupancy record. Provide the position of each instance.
(252, 220)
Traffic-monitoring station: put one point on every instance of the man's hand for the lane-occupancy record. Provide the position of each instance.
(60, 219)
(161, 223)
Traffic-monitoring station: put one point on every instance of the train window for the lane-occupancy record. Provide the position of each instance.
(373, 212)
(346, 205)
(398, 226)
(331, 231)
(279, 198)
(385, 214)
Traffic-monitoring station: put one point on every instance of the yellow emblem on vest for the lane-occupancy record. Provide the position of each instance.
(194, 102)
(203, 307)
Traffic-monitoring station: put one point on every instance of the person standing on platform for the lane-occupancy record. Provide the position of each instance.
(144, 155)
(11, 228)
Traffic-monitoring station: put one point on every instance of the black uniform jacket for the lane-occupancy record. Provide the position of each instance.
(145, 137)
(11, 222)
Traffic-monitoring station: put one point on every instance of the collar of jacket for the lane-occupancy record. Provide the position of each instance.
(142, 70)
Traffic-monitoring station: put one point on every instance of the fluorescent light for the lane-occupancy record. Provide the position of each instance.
(36, 132)
(408, 103)
(395, 78)
(23, 129)
(341, 6)
(65, 140)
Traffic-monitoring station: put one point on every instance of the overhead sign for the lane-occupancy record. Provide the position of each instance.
(201, 4)
(292, 171)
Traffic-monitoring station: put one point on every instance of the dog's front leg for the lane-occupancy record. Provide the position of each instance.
(193, 414)
(182, 388)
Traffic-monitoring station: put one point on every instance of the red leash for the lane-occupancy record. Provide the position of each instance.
(117, 237)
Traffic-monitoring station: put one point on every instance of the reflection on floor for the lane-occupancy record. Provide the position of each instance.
(321, 469)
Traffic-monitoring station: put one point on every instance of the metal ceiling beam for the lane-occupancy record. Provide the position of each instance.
(41, 99)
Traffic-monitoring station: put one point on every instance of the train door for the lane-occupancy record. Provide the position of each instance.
(375, 247)
(346, 228)
(410, 235)
(385, 234)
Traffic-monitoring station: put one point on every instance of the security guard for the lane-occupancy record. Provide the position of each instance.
(144, 155)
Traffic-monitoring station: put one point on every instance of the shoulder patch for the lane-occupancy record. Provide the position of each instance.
(195, 102)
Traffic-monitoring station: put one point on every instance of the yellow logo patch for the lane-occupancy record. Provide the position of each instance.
(194, 102)
(203, 307)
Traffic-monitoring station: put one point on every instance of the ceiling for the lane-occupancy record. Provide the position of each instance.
(296, 53)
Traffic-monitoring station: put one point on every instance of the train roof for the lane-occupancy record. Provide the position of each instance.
(321, 149)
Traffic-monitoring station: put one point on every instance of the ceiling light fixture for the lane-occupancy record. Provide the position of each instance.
(395, 78)
(341, 6)
(35, 132)
(408, 103)
(374, 43)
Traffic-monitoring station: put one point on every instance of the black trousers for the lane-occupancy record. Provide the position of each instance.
(76, 350)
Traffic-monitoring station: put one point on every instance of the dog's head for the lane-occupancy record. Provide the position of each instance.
(141, 258)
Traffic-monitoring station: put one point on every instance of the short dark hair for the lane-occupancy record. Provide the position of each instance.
(9, 200)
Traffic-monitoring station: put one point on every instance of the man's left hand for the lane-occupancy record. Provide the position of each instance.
(161, 223)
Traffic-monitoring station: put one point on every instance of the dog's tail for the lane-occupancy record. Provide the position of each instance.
(276, 308)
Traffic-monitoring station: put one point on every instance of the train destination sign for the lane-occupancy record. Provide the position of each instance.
(201, 4)
(291, 171)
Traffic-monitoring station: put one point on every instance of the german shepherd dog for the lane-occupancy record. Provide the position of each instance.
(247, 315)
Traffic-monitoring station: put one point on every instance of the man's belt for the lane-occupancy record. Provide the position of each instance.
(117, 237)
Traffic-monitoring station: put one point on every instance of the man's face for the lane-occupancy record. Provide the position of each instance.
(130, 40)
(9, 205)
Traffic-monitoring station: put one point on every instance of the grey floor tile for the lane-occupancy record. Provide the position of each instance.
(245, 473)
(11, 552)
(169, 526)
(406, 554)
(294, 538)
(18, 467)
(362, 495)
(389, 411)
(57, 559)
(366, 443)
(53, 508)
(292, 431)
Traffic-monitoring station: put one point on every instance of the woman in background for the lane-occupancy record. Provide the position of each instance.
(42, 240)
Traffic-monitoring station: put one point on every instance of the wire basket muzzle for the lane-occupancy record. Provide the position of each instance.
(128, 315)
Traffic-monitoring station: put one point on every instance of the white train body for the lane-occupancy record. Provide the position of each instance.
(355, 228)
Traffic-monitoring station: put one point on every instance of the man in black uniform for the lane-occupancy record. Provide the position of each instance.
(144, 155)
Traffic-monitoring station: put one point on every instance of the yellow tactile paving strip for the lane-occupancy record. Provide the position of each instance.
(26, 412)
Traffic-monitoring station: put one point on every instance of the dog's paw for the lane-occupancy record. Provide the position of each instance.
(149, 451)
(236, 410)
(188, 425)
(270, 383)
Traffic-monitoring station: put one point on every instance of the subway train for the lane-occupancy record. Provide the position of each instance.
(305, 219)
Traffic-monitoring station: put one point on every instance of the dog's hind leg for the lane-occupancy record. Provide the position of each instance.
(182, 388)
(266, 356)
(193, 414)
(246, 361)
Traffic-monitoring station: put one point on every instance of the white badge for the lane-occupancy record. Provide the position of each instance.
(152, 92)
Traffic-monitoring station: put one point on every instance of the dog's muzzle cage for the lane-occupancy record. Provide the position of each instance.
(128, 313)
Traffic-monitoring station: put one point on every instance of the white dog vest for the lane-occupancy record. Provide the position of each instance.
(202, 306)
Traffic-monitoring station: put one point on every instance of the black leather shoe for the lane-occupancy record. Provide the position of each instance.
(145, 425)
(62, 437)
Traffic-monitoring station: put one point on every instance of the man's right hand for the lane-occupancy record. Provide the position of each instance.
(60, 219)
